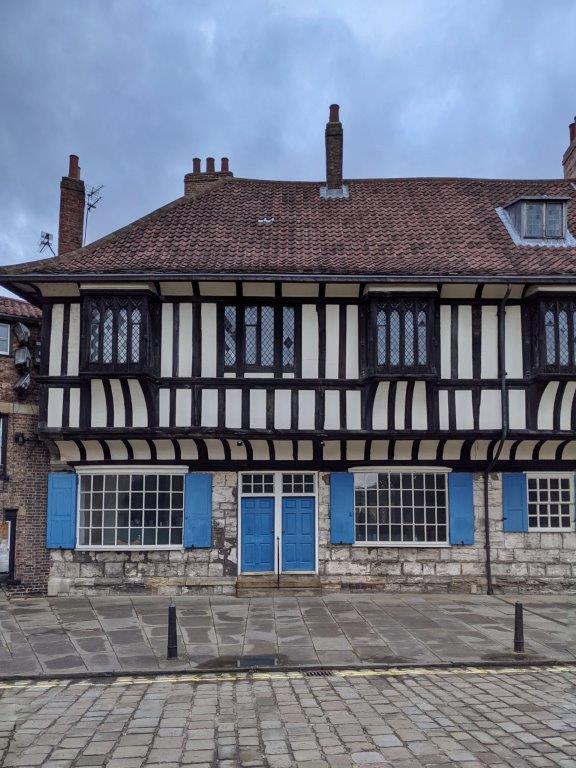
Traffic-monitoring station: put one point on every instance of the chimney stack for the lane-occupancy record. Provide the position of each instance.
(334, 141)
(72, 201)
(198, 181)
(569, 159)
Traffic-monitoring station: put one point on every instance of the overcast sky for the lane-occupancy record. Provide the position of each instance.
(137, 88)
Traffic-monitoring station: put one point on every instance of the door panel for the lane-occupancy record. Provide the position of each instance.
(257, 535)
(298, 534)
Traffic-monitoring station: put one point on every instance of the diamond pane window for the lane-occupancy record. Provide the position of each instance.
(550, 502)
(136, 320)
(269, 337)
(534, 220)
(94, 335)
(554, 219)
(130, 510)
(401, 508)
(122, 335)
(229, 336)
(401, 335)
(558, 335)
(115, 331)
(288, 338)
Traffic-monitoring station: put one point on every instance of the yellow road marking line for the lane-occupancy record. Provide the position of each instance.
(221, 677)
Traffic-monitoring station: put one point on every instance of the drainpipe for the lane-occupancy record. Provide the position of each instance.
(503, 435)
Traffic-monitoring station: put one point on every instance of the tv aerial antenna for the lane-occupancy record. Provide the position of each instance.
(93, 197)
(46, 242)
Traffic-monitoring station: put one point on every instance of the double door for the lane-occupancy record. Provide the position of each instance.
(272, 543)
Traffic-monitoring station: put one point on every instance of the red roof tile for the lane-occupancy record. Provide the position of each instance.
(18, 308)
(387, 227)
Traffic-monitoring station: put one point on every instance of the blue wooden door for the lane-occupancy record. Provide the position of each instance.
(257, 535)
(298, 534)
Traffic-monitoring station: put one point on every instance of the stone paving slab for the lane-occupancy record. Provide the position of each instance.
(43, 636)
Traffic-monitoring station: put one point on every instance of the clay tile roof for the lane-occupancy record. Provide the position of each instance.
(414, 226)
(18, 308)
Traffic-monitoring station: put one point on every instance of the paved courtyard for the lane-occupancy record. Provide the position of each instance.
(128, 634)
(406, 719)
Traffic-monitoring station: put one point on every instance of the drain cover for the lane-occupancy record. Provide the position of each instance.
(318, 673)
(257, 661)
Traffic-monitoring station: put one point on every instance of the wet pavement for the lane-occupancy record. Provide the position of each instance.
(417, 718)
(76, 635)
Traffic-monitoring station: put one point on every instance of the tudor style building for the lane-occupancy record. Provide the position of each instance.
(346, 384)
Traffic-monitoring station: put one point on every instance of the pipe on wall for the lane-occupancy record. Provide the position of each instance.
(504, 433)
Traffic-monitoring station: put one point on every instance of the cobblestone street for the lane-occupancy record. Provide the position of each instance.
(405, 718)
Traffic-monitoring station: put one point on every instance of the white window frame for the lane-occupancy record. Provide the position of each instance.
(127, 470)
(278, 495)
(406, 544)
(7, 352)
(561, 476)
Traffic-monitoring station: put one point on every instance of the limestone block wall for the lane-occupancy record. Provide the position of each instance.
(527, 562)
(163, 572)
(534, 562)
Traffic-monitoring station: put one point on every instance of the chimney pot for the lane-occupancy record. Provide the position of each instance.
(210, 165)
(196, 166)
(73, 167)
(334, 113)
(224, 165)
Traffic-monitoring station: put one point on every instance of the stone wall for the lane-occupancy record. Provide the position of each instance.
(535, 562)
(527, 562)
(164, 572)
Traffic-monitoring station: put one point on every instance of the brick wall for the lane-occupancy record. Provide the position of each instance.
(23, 486)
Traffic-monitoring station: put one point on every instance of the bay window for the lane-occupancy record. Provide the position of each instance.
(401, 335)
(116, 332)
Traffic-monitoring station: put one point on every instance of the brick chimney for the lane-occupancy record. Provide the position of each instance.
(569, 159)
(72, 199)
(199, 181)
(334, 144)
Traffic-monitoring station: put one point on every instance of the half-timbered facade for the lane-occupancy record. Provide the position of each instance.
(369, 383)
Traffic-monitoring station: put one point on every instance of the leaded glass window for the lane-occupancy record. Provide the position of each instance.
(543, 219)
(558, 337)
(115, 335)
(402, 335)
(268, 337)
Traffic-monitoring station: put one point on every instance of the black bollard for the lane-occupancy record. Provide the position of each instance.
(518, 628)
(172, 652)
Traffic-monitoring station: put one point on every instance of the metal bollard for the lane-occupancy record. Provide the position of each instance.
(518, 628)
(172, 651)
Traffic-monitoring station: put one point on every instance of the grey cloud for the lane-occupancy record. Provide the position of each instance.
(139, 87)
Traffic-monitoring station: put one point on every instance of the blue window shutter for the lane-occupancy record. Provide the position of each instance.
(514, 505)
(342, 508)
(198, 511)
(461, 505)
(61, 510)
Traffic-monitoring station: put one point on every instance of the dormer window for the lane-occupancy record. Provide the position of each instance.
(539, 221)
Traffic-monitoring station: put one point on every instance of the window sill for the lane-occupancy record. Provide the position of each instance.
(128, 548)
(551, 530)
(403, 544)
